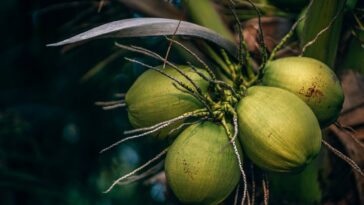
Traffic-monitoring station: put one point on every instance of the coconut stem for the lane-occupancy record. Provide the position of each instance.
(136, 170)
(344, 157)
(222, 65)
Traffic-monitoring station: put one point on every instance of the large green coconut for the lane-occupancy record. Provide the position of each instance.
(153, 98)
(312, 81)
(278, 131)
(201, 166)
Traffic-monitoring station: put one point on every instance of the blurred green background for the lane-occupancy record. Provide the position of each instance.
(50, 130)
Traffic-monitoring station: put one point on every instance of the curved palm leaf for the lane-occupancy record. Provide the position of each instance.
(140, 27)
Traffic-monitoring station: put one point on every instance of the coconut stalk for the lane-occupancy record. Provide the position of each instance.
(322, 30)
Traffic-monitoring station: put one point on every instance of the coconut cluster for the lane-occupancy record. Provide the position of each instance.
(274, 122)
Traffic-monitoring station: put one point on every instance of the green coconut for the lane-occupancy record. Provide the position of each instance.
(278, 131)
(201, 166)
(153, 98)
(312, 81)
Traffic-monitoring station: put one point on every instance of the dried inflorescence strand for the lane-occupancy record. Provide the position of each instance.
(206, 67)
(344, 157)
(253, 183)
(109, 105)
(183, 125)
(233, 143)
(351, 132)
(170, 44)
(153, 170)
(263, 48)
(155, 128)
(198, 96)
(265, 185)
(308, 44)
(244, 57)
(136, 170)
(158, 57)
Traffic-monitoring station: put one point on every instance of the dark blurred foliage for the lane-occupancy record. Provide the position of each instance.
(50, 130)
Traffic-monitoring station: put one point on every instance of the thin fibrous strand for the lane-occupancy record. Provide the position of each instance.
(245, 188)
(181, 117)
(253, 183)
(351, 132)
(166, 124)
(110, 107)
(148, 172)
(200, 99)
(242, 172)
(248, 199)
(262, 46)
(100, 6)
(185, 124)
(107, 103)
(170, 44)
(190, 90)
(219, 82)
(207, 68)
(241, 38)
(119, 95)
(236, 194)
(136, 170)
(265, 185)
(158, 57)
(289, 34)
(343, 157)
(323, 30)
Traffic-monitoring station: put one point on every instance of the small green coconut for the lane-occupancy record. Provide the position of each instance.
(153, 98)
(277, 130)
(201, 166)
(312, 81)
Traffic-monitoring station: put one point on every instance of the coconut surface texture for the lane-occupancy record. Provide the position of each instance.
(311, 80)
(153, 98)
(201, 166)
(278, 131)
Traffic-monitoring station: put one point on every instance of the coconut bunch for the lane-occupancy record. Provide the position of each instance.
(273, 118)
